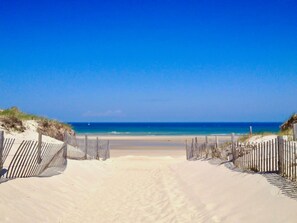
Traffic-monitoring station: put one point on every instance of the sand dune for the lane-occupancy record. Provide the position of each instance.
(145, 189)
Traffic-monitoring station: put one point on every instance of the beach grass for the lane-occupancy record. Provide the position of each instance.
(13, 119)
(16, 113)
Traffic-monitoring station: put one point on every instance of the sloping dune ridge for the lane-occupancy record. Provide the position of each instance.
(144, 188)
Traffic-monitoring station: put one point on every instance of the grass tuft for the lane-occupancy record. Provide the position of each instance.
(12, 120)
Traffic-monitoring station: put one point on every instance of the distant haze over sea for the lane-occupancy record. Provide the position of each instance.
(170, 128)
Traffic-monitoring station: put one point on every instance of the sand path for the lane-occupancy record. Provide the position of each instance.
(140, 188)
(145, 189)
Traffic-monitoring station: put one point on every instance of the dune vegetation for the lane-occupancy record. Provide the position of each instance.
(13, 120)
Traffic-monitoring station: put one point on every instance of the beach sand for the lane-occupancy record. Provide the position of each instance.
(147, 179)
(156, 185)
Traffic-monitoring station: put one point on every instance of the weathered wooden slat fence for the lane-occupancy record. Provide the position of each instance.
(27, 158)
(277, 155)
(86, 147)
(196, 149)
(273, 156)
(259, 157)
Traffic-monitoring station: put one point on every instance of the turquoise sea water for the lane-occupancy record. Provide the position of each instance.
(193, 128)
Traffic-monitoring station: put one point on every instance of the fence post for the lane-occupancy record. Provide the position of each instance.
(97, 147)
(86, 146)
(280, 148)
(39, 147)
(295, 132)
(192, 149)
(251, 130)
(65, 144)
(217, 142)
(206, 139)
(196, 148)
(187, 152)
(1, 149)
(108, 152)
(233, 147)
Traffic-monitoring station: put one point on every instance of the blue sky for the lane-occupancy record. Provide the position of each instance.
(150, 60)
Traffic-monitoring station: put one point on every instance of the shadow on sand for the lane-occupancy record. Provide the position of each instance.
(286, 187)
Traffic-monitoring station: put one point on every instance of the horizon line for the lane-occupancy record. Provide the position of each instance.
(174, 122)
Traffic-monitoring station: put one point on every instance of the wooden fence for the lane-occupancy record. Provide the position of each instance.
(273, 156)
(27, 158)
(86, 147)
(210, 147)
(277, 155)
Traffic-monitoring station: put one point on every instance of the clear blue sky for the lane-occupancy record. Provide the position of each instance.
(150, 60)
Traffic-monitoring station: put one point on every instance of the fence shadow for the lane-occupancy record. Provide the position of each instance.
(274, 159)
(287, 187)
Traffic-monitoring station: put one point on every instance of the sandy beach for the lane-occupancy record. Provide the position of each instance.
(148, 111)
(145, 185)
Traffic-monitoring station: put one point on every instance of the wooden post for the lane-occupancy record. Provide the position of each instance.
(65, 144)
(251, 130)
(285, 158)
(196, 148)
(97, 147)
(295, 132)
(289, 159)
(269, 152)
(187, 152)
(264, 156)
(86, 146)
(280, 147)
(1, 149)
(287, 149)
(206, 149)
(233, 146)
(108, 152)
(276, 155)
(267, 157)
(295, 165)
(217, 142)
(39, 148)
(192, 149)
(249, 160)
(253, 159)
(292, 161)
(273, 155)
(245, 160)
(259, 156)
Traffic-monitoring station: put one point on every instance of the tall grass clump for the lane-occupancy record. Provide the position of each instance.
(12, 119)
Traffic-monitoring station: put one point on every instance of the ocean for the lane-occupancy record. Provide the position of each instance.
(161, 128)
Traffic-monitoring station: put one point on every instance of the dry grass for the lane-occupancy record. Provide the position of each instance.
(12, 120)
